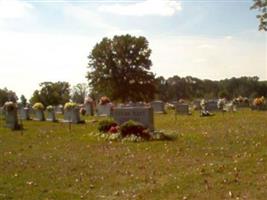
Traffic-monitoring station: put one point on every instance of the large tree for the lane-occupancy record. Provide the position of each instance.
(119, 68)
(7, 95)
(52, 93)
(261, 5)
(79, 92)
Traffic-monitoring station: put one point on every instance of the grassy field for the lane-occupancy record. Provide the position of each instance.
(219, 157)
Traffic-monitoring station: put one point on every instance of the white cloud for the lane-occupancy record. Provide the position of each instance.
(89, 18)
(13, 9)
(147, 7)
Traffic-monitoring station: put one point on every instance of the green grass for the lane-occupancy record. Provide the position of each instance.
(219, 157)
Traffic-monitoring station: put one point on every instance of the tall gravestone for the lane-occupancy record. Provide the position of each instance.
(51, 114)
(89, 109)
(143, 115)
(72, 115)
(24, 113)
(39, 115)
(11, 115)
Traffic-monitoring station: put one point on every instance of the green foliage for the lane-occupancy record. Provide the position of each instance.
(119, 68)
(7, 95)
(176, 87)
(38, 106)
(261, 6)
(23, 100)
(105, 125)
(134, 128)
(52, 93)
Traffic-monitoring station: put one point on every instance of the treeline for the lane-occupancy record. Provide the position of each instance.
(189, 87)
(170, 89)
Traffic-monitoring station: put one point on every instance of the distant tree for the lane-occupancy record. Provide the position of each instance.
(23, 100)
(7, 95)
(52, 93)
(261, 5)
(119, 68)
(79, 92)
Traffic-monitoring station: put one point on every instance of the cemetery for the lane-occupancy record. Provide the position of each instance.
(133, 100)
(193, 156)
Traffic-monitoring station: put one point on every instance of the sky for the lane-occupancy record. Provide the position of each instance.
(50, 40)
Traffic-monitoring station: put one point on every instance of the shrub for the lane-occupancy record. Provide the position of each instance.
(9, 106)
(69, 105)
(134, 128)
(38, 106)
(106, 124)
(50, 108)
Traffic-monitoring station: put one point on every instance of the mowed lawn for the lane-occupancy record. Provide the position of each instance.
(219, 157)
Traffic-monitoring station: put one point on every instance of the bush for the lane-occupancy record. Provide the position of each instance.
(106, 124)
(38, 106)
(134, 128)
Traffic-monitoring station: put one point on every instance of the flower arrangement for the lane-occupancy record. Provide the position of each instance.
(203, 104)
(221, 103)
(106, 125)
(9, 106)
(69, 105)
(50, 108)
(38, 106)
(104, 100)
(259, 101)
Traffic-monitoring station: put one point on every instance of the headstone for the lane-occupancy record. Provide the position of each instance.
(39, 115)
(24, 113)
(196, 104)
(89, 109)
(182, 108)
(51, 116)
(143, 115)
(104, 110)
(11, 118)
(72, 115)
(158, 106)
(59, 109)
(212, 105)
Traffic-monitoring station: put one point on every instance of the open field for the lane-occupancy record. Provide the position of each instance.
(219, 157)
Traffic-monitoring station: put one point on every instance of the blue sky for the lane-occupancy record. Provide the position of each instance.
(45, 40)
